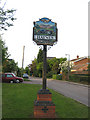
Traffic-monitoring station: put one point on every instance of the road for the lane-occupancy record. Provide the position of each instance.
(75, 91)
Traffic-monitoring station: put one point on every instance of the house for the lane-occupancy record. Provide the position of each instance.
(80, 65)
(77, 66)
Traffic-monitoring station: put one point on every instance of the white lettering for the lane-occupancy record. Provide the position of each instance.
(42, 37)
(35, 36)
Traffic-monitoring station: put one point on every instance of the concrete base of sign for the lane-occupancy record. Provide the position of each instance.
(43, 106)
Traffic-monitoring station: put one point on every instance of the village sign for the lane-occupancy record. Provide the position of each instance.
(45, 32)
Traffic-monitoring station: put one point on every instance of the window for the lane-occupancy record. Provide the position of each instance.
(3, 75)
(14, 75)
(88, 63)
(9, 75)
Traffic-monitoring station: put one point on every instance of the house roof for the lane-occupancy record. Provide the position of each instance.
(81, 65)
(78, 59)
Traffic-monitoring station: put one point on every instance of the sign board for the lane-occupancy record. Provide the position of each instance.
(45, 32)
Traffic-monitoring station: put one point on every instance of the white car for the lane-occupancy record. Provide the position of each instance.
(25, 75)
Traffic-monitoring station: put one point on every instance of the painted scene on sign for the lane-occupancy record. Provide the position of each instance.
(45, 31)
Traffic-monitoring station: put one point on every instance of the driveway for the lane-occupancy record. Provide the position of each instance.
(75, 91)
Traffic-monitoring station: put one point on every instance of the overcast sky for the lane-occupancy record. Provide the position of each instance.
(71, 17)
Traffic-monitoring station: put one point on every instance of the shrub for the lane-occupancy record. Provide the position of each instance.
(57, 77)
(30, 74)
(50, 74)
(79, 78)
(74, 78)
(54, 76)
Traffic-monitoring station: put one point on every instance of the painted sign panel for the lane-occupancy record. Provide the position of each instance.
(45, 32)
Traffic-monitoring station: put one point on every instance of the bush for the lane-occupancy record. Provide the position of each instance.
(50, 74)
(40, 75)
(30, 74)
(85, 78)
(57, 77)
(79, 78)
(74, 78)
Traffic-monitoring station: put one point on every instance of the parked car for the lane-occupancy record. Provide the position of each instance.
(11, 78)
(25, 75)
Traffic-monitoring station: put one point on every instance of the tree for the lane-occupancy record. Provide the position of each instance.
(39, 69)
(27, 70)
(66, 69)
(4, 50)
(19, 71)
(9, 66)
(34, 68)
(54, 65)
(65, 66)
(37, 64)
(40, 56)
(6, 18)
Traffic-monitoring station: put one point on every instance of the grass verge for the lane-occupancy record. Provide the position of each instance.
(18, 102)
(26, 79)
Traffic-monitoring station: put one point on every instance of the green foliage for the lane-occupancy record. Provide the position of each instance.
(34, 68)
(4, 50)
(57, 77)
(19, 72)
(26, 79)
(37, 65)
(40, 56)
(52, 65)
(39, 69)
(79, 78)
(50, 74)
(9, 66)
(27, 70)
(6, 18)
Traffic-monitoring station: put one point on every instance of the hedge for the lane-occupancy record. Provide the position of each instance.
(79, 78)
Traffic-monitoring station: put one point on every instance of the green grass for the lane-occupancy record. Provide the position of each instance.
(68, 108)
(26, 79)
(18, 102)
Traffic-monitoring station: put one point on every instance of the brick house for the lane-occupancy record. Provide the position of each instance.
(80, 65)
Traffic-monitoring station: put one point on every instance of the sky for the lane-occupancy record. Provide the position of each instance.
(71, 17)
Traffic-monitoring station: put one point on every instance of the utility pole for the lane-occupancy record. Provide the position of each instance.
(23, 56)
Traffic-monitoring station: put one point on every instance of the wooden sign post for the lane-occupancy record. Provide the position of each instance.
(44, 33)
(44, 65)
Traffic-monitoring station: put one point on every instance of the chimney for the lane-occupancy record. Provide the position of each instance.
(77, 56)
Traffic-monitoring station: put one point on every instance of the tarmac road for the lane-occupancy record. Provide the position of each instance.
(75, 91)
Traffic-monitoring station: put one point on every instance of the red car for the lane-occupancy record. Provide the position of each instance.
(11, 78)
